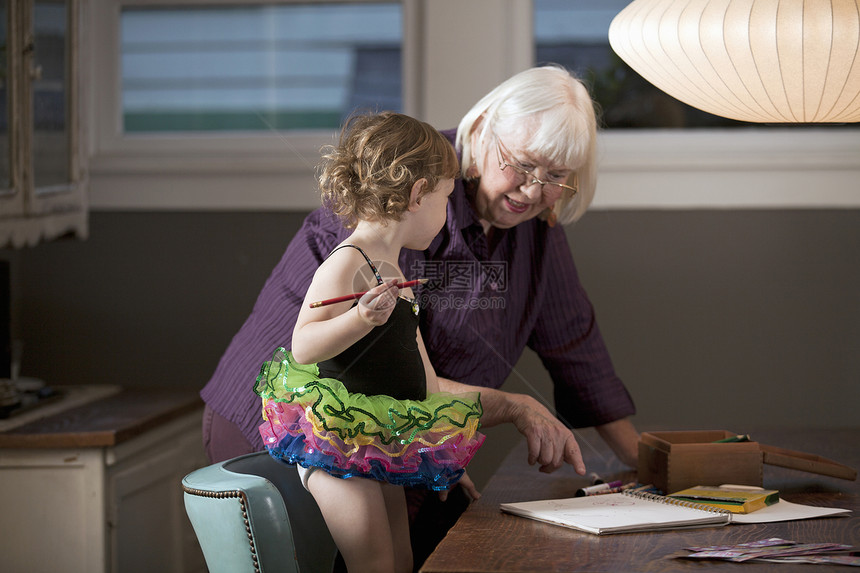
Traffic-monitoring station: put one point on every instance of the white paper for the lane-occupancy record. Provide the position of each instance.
(786, 511)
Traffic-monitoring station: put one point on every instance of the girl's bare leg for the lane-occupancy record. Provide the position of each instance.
(398, 523)
(355, 511)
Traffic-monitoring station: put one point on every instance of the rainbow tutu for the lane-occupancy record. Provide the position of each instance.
(317, 422)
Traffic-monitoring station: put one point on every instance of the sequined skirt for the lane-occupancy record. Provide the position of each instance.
(317, 422)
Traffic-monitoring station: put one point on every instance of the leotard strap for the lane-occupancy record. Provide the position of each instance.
(379, 280)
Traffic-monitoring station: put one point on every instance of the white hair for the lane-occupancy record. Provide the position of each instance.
(557, 113)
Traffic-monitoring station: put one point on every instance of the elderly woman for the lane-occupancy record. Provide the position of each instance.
(501, 277)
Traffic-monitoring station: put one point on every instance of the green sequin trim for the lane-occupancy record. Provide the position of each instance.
(351, 414)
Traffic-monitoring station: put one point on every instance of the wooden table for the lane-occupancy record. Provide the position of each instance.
(486, 540)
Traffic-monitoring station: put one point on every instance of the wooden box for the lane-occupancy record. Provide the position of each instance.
(675, 460)
(672, 461)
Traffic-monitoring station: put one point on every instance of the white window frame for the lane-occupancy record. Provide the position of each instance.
(240, 171)
(473, 45)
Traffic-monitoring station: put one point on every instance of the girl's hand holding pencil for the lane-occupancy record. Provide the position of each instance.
(358, 295)
(377, 304)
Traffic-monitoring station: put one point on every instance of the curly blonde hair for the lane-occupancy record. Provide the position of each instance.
(369, 174)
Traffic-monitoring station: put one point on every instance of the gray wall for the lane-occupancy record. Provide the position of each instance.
(715, 319)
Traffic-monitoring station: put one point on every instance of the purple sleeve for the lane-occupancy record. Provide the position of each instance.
(569, 343)
(270, 325)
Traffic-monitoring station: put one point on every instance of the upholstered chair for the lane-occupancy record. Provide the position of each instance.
(251, 514)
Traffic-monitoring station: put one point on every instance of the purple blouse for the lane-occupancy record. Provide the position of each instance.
(479, 310)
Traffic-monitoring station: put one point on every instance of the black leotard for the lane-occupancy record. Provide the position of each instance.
(386, 360)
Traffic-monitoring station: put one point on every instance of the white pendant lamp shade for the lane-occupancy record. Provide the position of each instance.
(773, 61)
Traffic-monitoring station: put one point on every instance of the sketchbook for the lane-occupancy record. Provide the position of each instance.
(632, 511)
(623, 512)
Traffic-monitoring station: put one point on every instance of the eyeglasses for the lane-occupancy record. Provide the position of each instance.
(551, 188)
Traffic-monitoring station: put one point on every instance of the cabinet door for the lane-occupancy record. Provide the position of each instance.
(148, 528)
(53, 511)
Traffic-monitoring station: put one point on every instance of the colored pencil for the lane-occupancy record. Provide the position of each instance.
(357, 295)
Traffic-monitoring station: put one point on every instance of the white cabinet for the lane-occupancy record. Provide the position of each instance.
(114, 508)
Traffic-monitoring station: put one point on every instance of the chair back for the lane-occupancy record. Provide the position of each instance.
(252, 514)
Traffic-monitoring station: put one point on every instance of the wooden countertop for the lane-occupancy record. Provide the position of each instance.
(105, 422)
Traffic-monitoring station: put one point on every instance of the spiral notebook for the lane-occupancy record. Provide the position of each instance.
(623, 512)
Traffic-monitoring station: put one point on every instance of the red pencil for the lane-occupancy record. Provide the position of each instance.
(361, 294)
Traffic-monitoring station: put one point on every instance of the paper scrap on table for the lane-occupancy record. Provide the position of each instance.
(778, 550)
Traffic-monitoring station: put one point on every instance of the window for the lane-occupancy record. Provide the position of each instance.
(575, 35)
(224, 104)
(257, 67)
(657, 152)
(40, 173)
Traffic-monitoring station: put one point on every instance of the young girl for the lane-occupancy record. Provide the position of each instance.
(357, 397)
